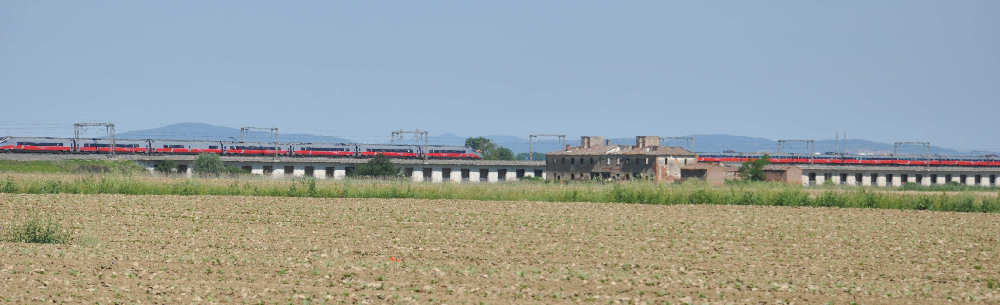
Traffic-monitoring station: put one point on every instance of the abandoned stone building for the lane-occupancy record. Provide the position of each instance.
(596, 159)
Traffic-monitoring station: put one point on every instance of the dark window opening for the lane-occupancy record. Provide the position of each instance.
(182, 168)
(979, 179)
(350, 171)
(309, 171)
(289, 170)
(843, 178)
(888, 179)
(993, 179)
(874, 179)
(858, 178)
(427, 173)
(502, 175)
(465, 174)
(446, 174)
(920, 179)
(520, 173)
(268, 170)
(408, 172)
(934, 178)
(812, 178)
(484, 174)
(538, 173)
(961, 179)
(330, 171)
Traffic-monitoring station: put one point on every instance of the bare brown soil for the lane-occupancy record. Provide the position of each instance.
(205, 249)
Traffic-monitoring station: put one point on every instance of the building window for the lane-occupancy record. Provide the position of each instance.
(330, 171)
(934, 178)
(961, 179)
(827, 176)
(843, 178)
(812, 178)
(268, 170)
(310, 170)
(993, 179)
(538, 173)
(465, 174)
(519, 173)
(502, 174)
(484, 174)
(979, 179)
(920, 179)
(947, 179)
(446, 174)
(874, 179)
(858, 178)
(289, 170)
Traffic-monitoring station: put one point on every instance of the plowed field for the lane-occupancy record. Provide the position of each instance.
(210, 249)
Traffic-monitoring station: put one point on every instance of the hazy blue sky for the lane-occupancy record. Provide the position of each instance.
(882, 70)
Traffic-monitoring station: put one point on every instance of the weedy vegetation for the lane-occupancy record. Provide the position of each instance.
(36, 230)
(634, 192)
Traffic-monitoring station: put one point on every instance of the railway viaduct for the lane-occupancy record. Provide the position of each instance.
(471, 171)
(813, 174)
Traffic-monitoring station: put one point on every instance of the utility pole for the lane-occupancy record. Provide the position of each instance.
(109, 128)
(417, 134)
(274, 135)
(531, 142)
(896, 145)
(809, 143)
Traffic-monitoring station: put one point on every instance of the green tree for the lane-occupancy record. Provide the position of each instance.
(753, 170)
(480, 144)
(209, 165)
(499, 153)
(490, 150)
(378, 166)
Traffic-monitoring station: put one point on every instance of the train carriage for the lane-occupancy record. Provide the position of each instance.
(391, 151)
(451, 152)
(323, 150)
(185, 147)
(37, 144)
(254, 149)
(121, 146)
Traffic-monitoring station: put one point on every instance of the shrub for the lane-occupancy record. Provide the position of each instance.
(754, 169)
(209, 165)
(37, 231)
(379, 166)
(165, 167)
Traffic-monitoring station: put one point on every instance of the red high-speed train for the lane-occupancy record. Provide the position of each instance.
(982, 161)
(181, 147)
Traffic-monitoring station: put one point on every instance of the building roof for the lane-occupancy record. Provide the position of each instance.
(623, 150)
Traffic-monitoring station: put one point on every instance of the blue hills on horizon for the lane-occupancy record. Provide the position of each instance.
(702, 142)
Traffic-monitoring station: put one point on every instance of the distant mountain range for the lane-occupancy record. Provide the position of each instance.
(702, 143)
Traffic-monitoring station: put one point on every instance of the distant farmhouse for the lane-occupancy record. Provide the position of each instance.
(597, 159)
